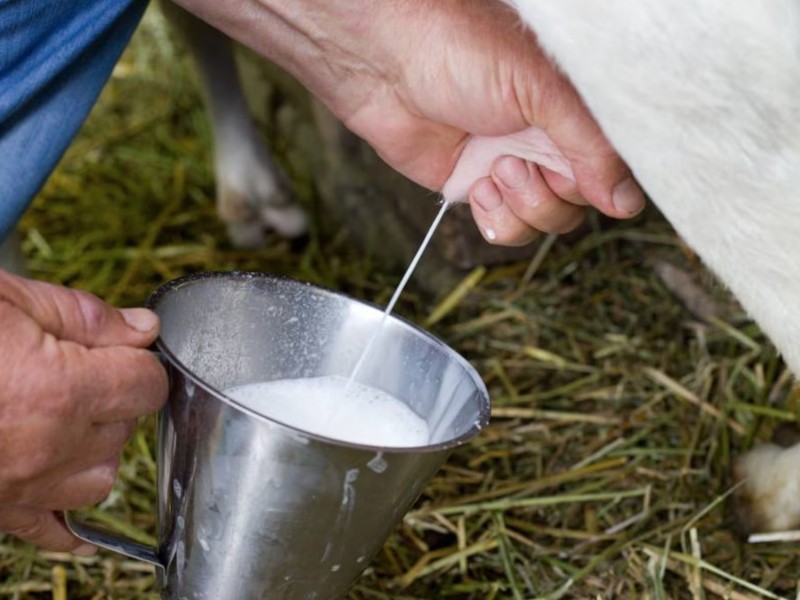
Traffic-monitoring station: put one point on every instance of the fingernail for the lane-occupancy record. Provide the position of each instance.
(512, 172)
(487, 197)
(627, 197)
(85, 550)
(141, 319)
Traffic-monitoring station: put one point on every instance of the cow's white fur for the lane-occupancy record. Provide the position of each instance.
(701, 100)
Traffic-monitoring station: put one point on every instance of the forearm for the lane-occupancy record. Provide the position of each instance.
(321, 43)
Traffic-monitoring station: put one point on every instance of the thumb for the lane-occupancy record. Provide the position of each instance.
(77, 316)
(601, 176)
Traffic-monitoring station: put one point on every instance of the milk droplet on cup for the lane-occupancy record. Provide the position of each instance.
(334, 408)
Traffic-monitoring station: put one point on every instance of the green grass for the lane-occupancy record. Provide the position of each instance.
(616, 411)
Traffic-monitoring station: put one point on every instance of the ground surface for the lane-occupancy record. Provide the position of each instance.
(616, 408)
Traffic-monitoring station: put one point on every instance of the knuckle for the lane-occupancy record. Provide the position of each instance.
(91, 310)
(484, 197)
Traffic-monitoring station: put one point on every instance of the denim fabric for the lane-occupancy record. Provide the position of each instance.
(55, 56)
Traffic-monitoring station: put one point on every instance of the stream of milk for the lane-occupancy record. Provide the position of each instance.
(400, 287)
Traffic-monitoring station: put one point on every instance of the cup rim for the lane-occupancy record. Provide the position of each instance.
(484, 409)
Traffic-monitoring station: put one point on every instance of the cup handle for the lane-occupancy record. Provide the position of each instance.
(112, 541)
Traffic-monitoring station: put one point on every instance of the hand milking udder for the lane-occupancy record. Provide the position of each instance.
(420, 80)
(516, 200)
(443, 108)
(538, 159)
(543, 178)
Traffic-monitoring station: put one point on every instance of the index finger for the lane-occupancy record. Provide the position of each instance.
(78, 316)
(119, 383)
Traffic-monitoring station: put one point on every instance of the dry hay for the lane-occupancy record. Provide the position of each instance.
(616, 408)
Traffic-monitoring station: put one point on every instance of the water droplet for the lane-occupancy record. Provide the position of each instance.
(378, 463)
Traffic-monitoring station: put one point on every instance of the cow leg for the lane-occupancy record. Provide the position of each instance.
(252, 192)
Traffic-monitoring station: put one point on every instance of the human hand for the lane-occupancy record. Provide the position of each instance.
(74, 376)
(418, 79)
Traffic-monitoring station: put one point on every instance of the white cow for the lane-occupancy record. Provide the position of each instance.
(701, 100)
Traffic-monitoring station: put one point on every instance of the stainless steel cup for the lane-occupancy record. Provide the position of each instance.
(249, 508)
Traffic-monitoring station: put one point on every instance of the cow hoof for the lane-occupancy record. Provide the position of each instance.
(767, 485)
(253, 201)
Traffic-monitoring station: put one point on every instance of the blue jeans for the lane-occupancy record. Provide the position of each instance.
(55, 56)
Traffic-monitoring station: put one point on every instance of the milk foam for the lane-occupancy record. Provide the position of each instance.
(335, 408)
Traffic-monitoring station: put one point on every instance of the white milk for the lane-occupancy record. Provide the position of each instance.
(335, 408)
